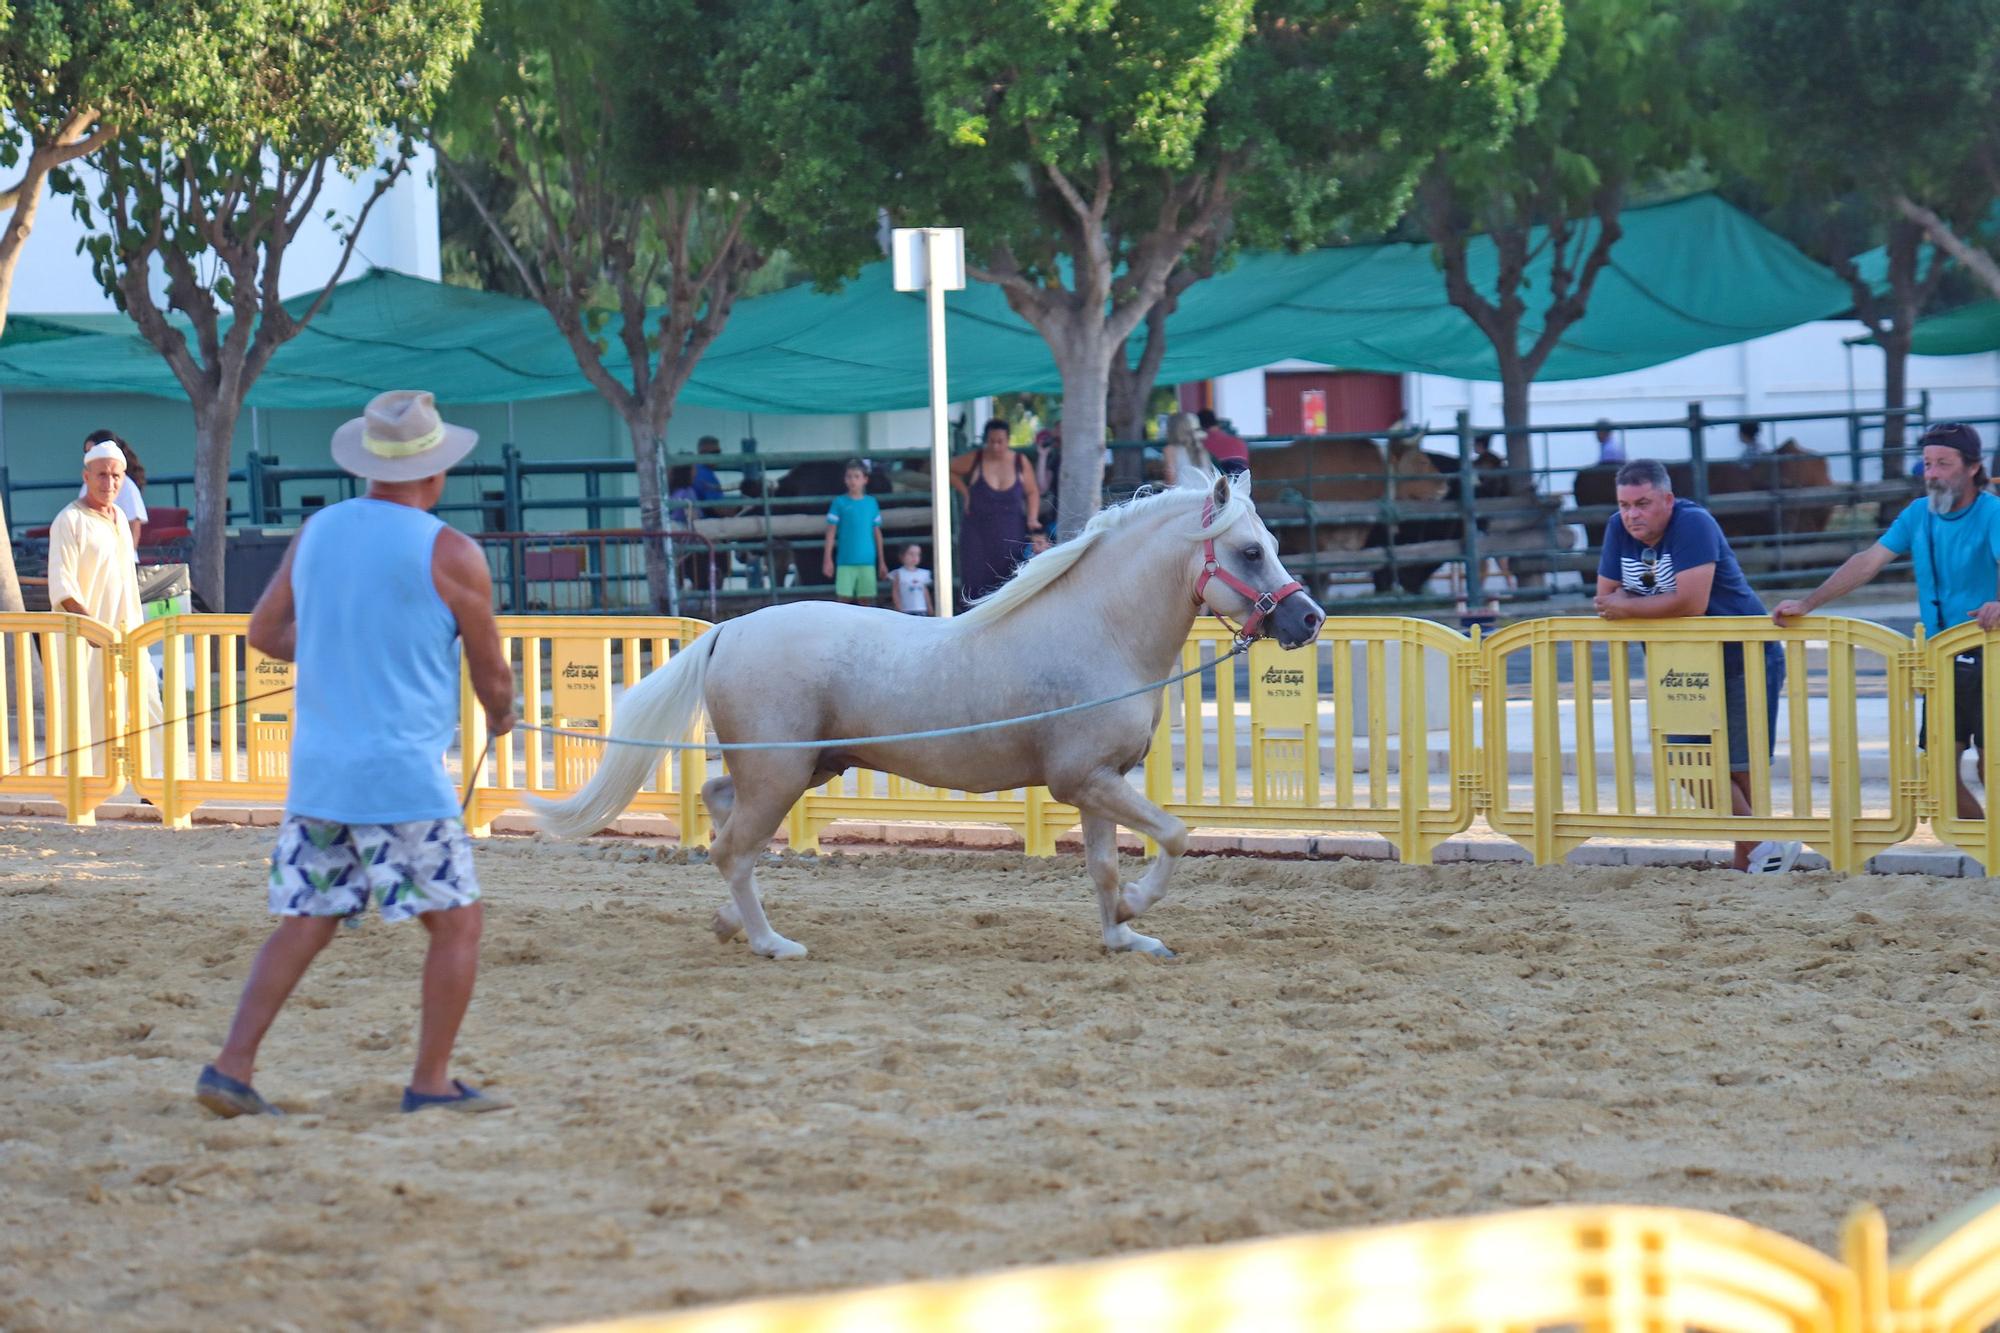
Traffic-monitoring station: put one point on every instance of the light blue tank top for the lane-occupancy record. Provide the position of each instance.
(377, 668)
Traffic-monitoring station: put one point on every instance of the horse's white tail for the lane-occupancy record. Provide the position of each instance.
(662, 707)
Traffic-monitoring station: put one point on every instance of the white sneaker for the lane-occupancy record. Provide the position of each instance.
(1773, 858)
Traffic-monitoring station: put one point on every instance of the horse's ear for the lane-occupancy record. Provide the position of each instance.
(1221, 493)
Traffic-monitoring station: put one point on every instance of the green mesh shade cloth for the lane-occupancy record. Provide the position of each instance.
(1687, 275)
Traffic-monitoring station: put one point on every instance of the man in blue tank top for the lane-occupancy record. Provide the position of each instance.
(372, 601)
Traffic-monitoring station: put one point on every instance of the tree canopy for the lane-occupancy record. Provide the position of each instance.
(207, 190)
(1103, 155)
(1846, 108)
(71, 72)
(1618, 111)
(638, 161)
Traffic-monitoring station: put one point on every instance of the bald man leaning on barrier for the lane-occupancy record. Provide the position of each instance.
(372, 601)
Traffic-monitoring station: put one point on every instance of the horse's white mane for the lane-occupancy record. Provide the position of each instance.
(1039, 572)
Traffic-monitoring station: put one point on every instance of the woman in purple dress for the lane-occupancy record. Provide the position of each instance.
(996, 488)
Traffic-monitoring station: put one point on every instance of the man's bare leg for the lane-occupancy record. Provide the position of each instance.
(1740, 806)
(450, 968)
(1968, 804)
(280, 964)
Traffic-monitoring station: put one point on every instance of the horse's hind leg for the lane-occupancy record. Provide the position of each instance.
(719, 795)
(765, 790)
(1107, 795)
(1100, 853)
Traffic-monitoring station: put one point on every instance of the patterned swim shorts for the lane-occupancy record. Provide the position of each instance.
(324, 868)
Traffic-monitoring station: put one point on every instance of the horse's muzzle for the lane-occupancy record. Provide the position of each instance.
(1295, 621)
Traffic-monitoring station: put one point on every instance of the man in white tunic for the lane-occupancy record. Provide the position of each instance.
(92, 573)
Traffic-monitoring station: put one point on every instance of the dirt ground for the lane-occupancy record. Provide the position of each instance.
(957, 1079)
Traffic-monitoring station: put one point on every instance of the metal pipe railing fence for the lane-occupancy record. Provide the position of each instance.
(1381, 520)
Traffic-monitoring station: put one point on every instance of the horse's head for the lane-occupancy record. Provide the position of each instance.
(1239, 576)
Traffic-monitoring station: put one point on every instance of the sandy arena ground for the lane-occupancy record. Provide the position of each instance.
(957, 1079)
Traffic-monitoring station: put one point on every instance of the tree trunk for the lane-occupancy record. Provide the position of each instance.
(1514, 386)
(652, 489)
(1085, 364)
(1906, 298)
(214, 432)
(1895, 389)
(1125, 410)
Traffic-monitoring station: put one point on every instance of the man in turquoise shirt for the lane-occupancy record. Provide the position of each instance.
(1952, 536)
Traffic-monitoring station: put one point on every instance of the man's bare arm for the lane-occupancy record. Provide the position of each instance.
(1859, 568)
(458, 568)
(1689, 598)
(274, 625)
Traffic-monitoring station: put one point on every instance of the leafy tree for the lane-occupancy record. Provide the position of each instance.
(207, 197)
(70, 72)
(657, 153)
(1104, 155)
(1618, 112)
(1851, 110)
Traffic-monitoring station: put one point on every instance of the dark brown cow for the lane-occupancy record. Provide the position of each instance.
(1790, 468)
(1340, 471)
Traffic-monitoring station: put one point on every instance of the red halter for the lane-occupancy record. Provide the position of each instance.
(1262, 604)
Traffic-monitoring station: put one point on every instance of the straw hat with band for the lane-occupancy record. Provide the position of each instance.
(400, 437)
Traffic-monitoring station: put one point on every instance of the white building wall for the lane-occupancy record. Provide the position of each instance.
(401, 233)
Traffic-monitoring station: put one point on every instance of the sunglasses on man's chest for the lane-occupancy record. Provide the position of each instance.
(1647, 559)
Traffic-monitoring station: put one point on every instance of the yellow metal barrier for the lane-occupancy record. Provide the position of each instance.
(59, 717)
(1947, 1280)
(1377, 728)
(567, 668)
(1384, 684)
(1599, 1269)
(1244, 743)
(1979, 836)
(1678, 670)
(227, 732)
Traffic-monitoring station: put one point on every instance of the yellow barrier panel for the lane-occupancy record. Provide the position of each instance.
(1942, 760)
(1375, 729)
(227, 733)
(59, 721)
(865, 794)
(1598, 1269)
(1685, 739)
(1947, 1280)
(1391, 680)
(566, 668)
(1389, 683)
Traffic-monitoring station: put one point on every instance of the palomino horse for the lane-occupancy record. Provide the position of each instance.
(1102, 614)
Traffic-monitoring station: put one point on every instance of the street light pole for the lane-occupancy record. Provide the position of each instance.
(934, 258)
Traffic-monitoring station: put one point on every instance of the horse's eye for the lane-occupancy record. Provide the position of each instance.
(1252, 554)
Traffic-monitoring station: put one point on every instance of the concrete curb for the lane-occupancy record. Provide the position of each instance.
(1935, 859)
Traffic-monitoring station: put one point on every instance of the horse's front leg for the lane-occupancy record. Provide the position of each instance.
(1109, 797)
(1100, 852)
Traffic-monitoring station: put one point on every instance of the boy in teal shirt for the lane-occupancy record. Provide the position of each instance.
(854, 557)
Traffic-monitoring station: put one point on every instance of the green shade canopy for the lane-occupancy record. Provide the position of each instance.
(1687, 275)
(1961, 332)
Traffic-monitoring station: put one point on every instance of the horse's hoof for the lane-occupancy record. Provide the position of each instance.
(1125, 910)
(726, 928)
(781, 948)
(1125, 940)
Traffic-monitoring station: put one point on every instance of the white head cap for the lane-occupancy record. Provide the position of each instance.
(104, 450)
